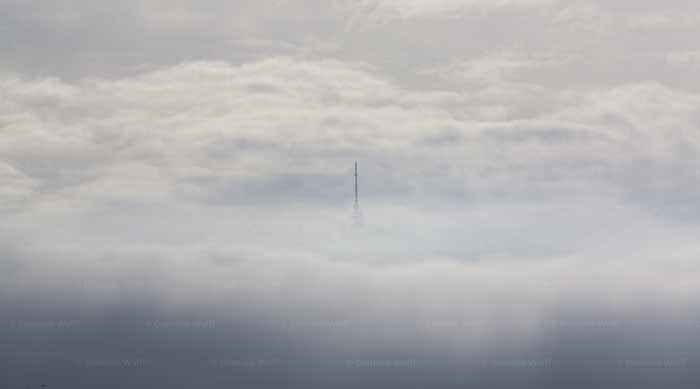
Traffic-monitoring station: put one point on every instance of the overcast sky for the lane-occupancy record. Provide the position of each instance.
(176, 193)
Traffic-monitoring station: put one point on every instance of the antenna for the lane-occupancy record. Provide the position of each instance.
(357, 202)
(358, 216)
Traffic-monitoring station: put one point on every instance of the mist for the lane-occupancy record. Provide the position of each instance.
(177, 194)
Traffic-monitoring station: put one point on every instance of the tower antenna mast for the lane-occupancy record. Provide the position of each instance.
(358, 217)
(357, 202)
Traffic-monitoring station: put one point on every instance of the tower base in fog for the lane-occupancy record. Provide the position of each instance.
(357, 215)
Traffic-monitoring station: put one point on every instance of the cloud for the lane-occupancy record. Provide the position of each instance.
(408, 9)
(683, 58)
(176, 193)
(186, 155)
(587, 17)
(16, 187)
(214, 192)
(497, 66)
(202, 130)
(496, 88)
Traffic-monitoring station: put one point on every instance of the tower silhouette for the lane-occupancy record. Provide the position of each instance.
(357, 213)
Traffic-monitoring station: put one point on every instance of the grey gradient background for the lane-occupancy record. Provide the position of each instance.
(176, 194)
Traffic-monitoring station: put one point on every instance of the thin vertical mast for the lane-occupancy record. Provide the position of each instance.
(357, 202)
(358, 216)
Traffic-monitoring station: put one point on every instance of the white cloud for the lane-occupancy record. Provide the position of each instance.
(684, 58)
(495, 85)
(206, 131)
(15, 188)
(407, 9)
(589, 18)
(496, 67)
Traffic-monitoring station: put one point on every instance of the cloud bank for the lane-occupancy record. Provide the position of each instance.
(176, 193)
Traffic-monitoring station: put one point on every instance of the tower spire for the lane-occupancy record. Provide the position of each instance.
(356, 191)
(358, 216)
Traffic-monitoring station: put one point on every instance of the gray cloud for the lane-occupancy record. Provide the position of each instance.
(176, 194)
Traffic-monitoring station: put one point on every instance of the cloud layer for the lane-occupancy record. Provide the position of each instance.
(176, 193)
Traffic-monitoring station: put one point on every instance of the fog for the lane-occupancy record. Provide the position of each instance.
(176, 194)
(520, 295)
